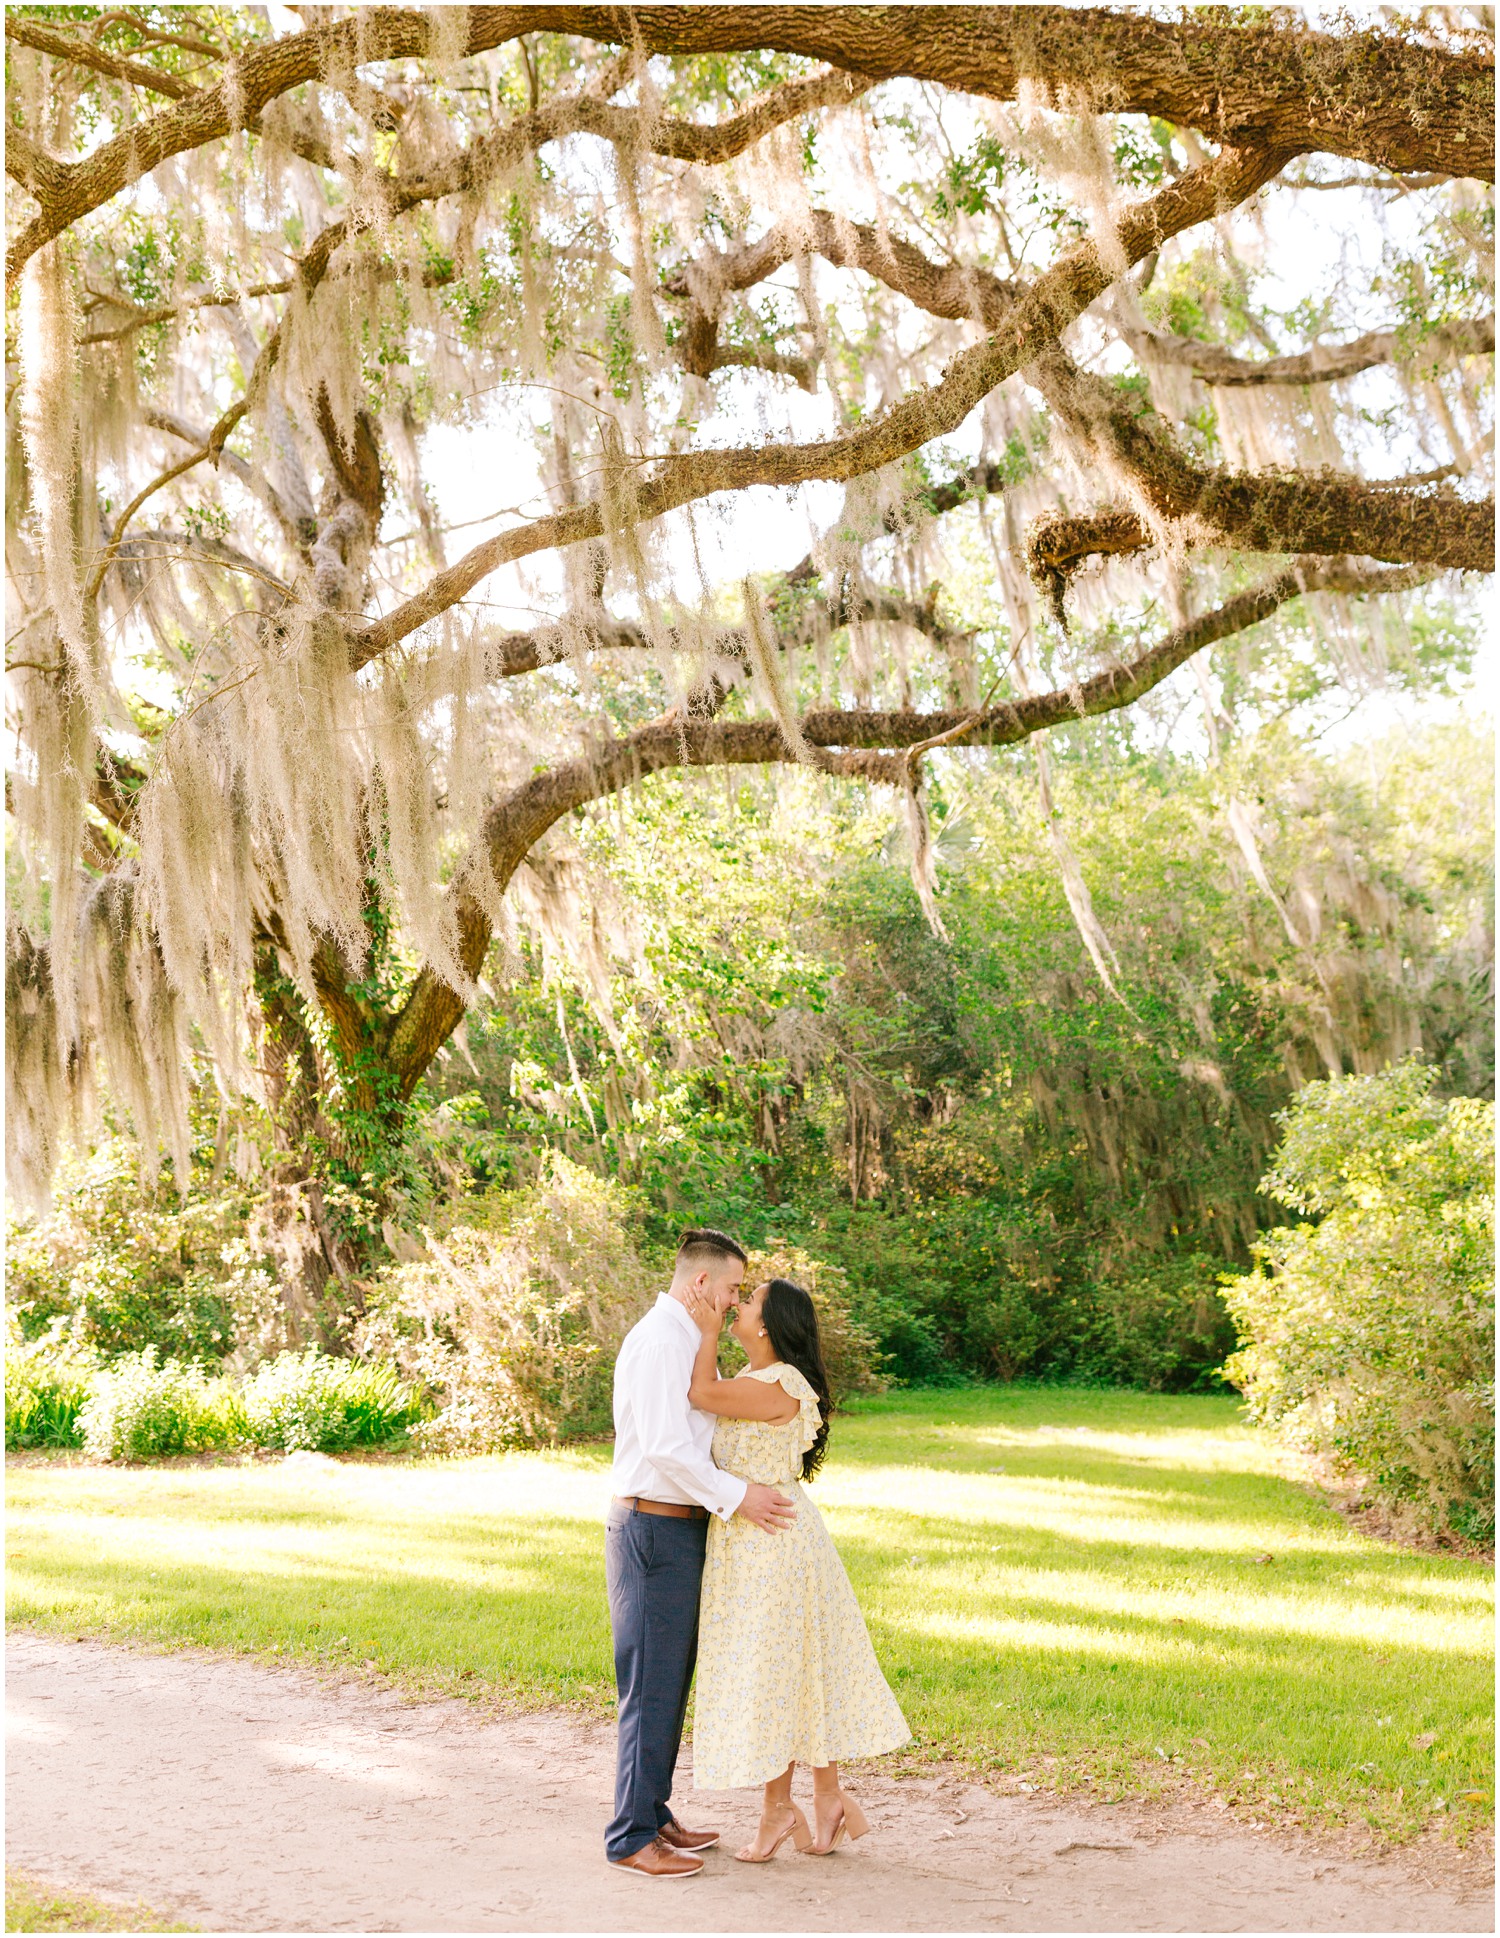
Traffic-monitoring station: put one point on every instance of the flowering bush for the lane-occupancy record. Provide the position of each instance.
(138, 1407)
(307, 1401)
(1369, 1334)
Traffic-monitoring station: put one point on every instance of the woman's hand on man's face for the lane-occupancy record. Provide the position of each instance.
(703, 1311)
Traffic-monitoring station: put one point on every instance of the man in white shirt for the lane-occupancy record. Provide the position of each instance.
(665, 1486)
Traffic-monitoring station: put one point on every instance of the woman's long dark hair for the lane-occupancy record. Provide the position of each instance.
(791, 1322)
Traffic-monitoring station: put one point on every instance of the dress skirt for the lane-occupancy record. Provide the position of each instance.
(786, 1671)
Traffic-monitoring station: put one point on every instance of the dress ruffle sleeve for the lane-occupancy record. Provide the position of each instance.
(795, 1384)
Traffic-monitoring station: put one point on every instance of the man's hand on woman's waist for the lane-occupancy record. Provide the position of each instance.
(764, 1508)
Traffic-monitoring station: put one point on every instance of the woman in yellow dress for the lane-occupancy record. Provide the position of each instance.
(786, 1673)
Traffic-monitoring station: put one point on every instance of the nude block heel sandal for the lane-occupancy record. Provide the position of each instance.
(851, 1818)
(797, 1830)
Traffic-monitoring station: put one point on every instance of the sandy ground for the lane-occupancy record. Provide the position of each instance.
(249, 1798)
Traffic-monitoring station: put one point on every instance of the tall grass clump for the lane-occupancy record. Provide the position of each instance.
(46, 1384)
(1369, 1330)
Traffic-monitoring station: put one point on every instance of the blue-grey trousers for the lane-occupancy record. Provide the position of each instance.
(654, 1567)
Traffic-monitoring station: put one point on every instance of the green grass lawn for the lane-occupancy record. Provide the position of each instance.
(31, 1905)
(1065, 1587)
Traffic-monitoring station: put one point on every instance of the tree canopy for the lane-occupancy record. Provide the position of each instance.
(765, 324)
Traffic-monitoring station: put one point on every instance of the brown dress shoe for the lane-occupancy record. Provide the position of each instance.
(658, 1859)
(682, 1839)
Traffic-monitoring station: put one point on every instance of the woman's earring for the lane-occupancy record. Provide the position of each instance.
(762, 1332)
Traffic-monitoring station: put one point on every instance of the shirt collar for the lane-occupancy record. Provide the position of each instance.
(678, 1312)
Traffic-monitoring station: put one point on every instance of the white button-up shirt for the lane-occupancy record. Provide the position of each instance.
(662, 1445)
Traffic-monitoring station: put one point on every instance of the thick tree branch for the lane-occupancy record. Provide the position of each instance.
(379, 33)
(28, 31)
(952, 290)
(1325, 363)
(34, 33)
(1260, 512)
(1328, 515)
(943, 289)
(1058, 544)
(1030, 324)
(1375, 96)
(864, 742)
(798, 621)
(26, 162)
(1322, 513)
(690, 141)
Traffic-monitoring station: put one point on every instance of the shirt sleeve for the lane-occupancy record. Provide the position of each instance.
(661, 1414)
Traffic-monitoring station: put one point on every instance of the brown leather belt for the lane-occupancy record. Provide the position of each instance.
(679, 1510)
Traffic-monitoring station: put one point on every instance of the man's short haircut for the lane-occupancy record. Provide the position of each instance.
(700, 1244)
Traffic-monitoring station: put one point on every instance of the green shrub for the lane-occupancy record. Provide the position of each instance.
(984, 1287)
(1164, 1327)
(1369, 1335)
(134, 1264)
(307, 1401)
(850, 1354)
(138, 1408)
(921, 1295)
(510, 1321)
(46, 1383)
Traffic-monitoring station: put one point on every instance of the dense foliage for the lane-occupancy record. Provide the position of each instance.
(1018, 1172)
(126, 1265)
(1370, 1331)
(510, 1314)
(728, 1005)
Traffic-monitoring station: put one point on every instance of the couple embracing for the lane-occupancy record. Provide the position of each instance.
(715, 1555)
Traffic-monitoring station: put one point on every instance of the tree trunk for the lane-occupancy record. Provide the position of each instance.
(315, 1266)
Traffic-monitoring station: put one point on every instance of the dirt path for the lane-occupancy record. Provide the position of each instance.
(248, 1798)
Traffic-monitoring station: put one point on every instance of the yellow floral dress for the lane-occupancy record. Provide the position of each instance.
(786, 1672)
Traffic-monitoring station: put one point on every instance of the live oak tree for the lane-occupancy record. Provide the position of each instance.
(279, 290)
